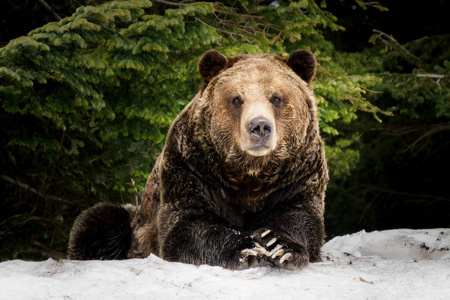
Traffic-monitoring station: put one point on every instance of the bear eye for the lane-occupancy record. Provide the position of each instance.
(237, 101)
(276, 100)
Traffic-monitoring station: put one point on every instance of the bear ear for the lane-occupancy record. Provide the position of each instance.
(303, 63)
(210, 64)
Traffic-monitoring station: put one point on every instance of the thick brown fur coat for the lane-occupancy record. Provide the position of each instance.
(221, 194)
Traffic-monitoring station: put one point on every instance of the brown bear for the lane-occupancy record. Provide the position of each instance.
(240, 182)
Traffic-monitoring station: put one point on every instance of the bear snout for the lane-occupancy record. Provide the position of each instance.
(258, 137)
(260, 128)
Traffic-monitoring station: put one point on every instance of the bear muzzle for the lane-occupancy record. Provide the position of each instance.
(259, 139)
(260, 128)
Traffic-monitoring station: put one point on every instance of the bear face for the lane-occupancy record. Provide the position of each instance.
(259, 106)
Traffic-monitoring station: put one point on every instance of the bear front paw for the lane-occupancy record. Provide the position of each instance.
(281, 253)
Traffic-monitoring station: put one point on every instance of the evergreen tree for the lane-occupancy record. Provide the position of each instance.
(400, 179)
(86, 101)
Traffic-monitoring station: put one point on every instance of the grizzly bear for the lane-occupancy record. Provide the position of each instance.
(241, 179)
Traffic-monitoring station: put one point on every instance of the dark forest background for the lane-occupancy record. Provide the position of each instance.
(88, 90)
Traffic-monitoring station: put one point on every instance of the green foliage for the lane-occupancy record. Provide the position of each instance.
(400, 179)
(86, 101)
(343, 156)
(340, 94)
(419, 77)
(375, 4)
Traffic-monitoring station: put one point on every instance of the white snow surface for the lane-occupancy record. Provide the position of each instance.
(392, 264)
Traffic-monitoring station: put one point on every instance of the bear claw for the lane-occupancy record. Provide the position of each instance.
(271, 242)
(275, 251)
(258, 250)
(285, 257)
(265, 233)
(253, 257)
(278, 253)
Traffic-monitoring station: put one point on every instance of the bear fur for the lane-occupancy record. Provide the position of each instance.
(240, 182)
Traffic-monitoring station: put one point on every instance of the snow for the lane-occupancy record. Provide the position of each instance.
(393, 264)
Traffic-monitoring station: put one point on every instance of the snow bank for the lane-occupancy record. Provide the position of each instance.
(404, 244)
(394, 264)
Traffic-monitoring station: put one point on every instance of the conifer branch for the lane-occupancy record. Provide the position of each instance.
(434, 129)
(415, 196)
(406, 130)
(50, 10)
(435, 76)
(33, 190)
(382, 36)
(178, 4)
(438, 76)
(374, 4)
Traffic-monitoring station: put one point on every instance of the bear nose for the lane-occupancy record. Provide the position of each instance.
(260, 127)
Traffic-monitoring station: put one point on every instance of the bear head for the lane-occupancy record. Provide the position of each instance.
(257, 109)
